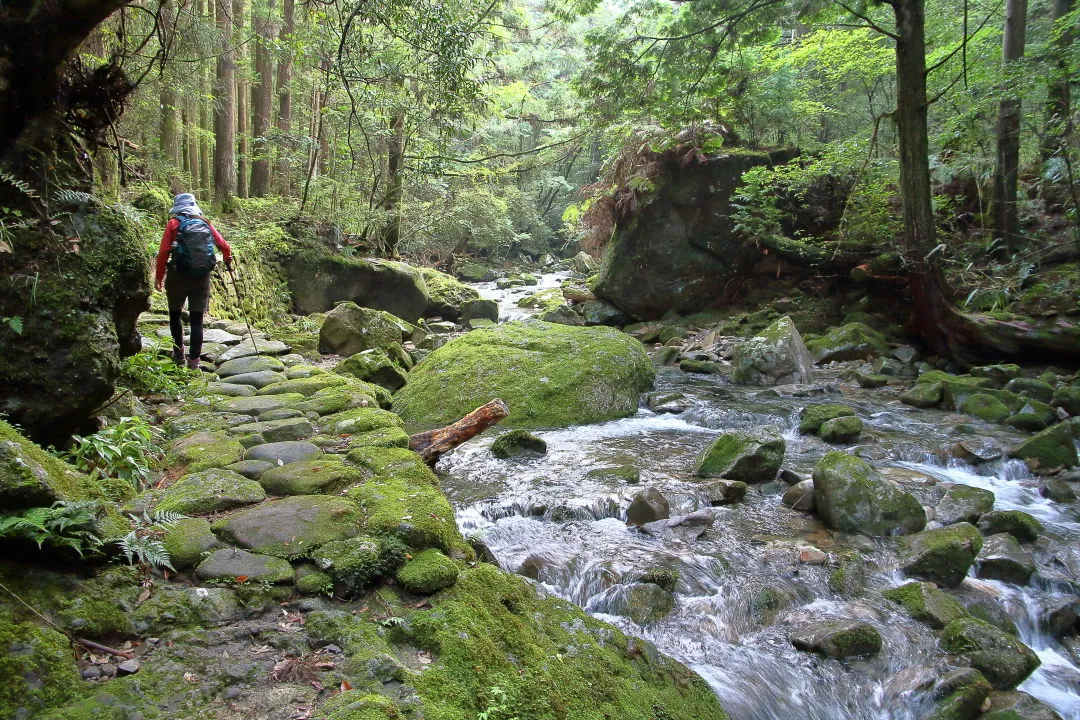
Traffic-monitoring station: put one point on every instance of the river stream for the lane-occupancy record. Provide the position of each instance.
(742, 588)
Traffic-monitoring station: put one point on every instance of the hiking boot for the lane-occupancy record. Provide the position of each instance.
(193, 363)
(178, 356)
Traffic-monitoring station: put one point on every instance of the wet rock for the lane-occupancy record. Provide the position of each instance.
(813, 416)
(561, 315)
(349, 329)
(259, 404)
(1026, 420)
(997, 374)
(600, 312)
(246, 365)
(791, 477)
(229, 389)
(985, 407)
(1015, 705)
(960, 695)
(1068, 399)
(665, 578)
(1002, 558)
(669, 402)
(800, 496)
(617, 474)
(1019, 524)
(724, 492)
(643, 603)
(532, 566)
(1001, 658)
(518, 443)
(777, 356)
(964, 503)
(247, 349)
(230, 563)
(283, 453)
(925, 603)
(1057, 616)
(1031, 388)
(701, 367)
(208, 491)
(1057, 490)
(293, 428)
(924, 395)
(647, 506)
(854, 341)
(479, 309)
(852, 496)
(841, 429)
(870, 381)
(977, 450)
(942, 555)
(838, 638)
(683, 527)
(751, 456)
(292, 526)
(1048, 449)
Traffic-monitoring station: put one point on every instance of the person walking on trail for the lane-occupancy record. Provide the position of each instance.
(187, 250)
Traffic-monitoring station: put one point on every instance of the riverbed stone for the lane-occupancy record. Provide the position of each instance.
(985, 407)
(926, 603)
(258, 404)
(1027, 420)
(838, 638)
(1004, 660)
(260, 347)
(1031, 388)
(358, 420)
(997, 374)
(1018, 705)
(964, 503)
(669, 402)
(1002, 558)
(647, 506)
(209, 491)
(841, 429)
(277, 430)
(852, 496)
(243, 366)
(685, 528)
(304, 386)
(230, 564)
(204, 450)
(619, 474)
(853, 341)
(1068, 399)
(960, 695)
(750, 456)
(871, 380)
(977, 450)
(349, 329)
(724, 491)
(1051, 448)
(800, 496)
(942, 555)
(777, 356)
(518, 443)
(923, 395)
(283, 453)
(548, 375)
(1021, 525)
(643, 603)
(309, 477)
(229, 389)
(250, 469)
(292, 526)
(812, 416)
(1057, 490)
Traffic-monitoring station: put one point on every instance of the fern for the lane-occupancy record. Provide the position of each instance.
(70, 525)
(21, 185)
(67, 196)
(146, 550)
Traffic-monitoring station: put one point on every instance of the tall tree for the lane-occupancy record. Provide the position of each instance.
(1058, 100)
(243, 99)
(169, 98)
(1007, 165)
(262, 96)
(284, 87)
(225, 108)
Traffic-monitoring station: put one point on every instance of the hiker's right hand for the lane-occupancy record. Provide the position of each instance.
(228, 264)
(159, 284)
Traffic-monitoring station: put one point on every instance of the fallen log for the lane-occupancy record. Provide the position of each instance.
(433, 444)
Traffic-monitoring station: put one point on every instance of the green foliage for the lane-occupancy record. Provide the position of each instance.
(70, 525)
(144, 545)
(14, 324)
(147, 373)
(127, 450)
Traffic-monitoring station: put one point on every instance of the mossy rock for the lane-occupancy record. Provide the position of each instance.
(517, 443)
(418, 514)
(1019, 524)
(301, 371)
(925, 603)
(237, 565)
(207, 491)
(643, 603)
(387, 437)
(850, 495)
(188, 540)
(616, 474)
(701, 367)
(359, 420)
(750, 456)
(310, 477)
(360, 705)
(257, 405)
(853, 341)
(1002, 558)
(776, 356)
(304, 386)
(1026, 421)
(374, 366)
(447, 294)
(943, 555)
(38, 669)
(357, 563)
(349, 329)
(428, 572)
(548, 375)
(205, 450)
(997, 374)
(292, 526)
(1001, 658)
(290, 428)
(1031, 388)
(1017, 705)
(310, 580)
(839, 638)
(812, 416)
(870, 380)
(1067, 398)
(841, 429)
(923, 395)
(964, 503)
(985, 407)
(1053, 447)
(337, 399)
(961, 695)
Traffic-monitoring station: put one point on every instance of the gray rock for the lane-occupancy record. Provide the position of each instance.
(277, 430)
(221, 337)
(292, 526)
(777, 356)
(209, 491)
(229, 389)
(1002, 558)
(684, 527)
(261, 347)
(1057, 490)
(977, 450)
(309, 477)
(349, 329)
(800, 496)
(129, 667)
(964, 503)
(852, 496)
(241, 366)
(838, 638)
(259, 404)
(231, 563)
(647, 506)
(1004, 660)
(283, 453)
(600, 312)
(724, 492)
(905, 354)
(562, 315)
(1020, 705)
(255, 379)
(251, 468)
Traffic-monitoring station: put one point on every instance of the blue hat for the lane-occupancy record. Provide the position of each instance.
(184, 204)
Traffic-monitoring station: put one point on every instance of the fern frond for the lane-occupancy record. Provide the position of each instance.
(21, 185)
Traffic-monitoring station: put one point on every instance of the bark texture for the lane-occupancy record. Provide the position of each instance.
(433, 444)
(262, 95)
(1006, 224)
(225, 108)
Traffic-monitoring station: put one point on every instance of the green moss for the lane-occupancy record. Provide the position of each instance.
(359, 562)
(812, 416)
(428, 572)
(310, 580)
(517, 442)
(208, 491)
(389, 437)
(38, 670)
(357, 705)
(417, 513)
(1048, 449)
(849, 342)
(305, 386)
(204, 450)
(188, 540)
(664, 578)
(852, 496)
(927, 604)
(985, 407)
(923, 395)
(547, 657)
(30, 476)
(324, 475)
(965, 690)
(336, 399)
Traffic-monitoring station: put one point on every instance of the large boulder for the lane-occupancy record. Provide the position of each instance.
(943, 555)
(748, 455)
(775, 357)
(318, 281)
(681, 235)
(1004, 660)
(446, 294)
(1049, 449)
(349, 329)
(853, 341)
(852, 496)
(838, 638)
(292, 526)
(549, 376)
(78, 301)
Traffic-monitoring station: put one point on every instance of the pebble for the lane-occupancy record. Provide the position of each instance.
(129, 667)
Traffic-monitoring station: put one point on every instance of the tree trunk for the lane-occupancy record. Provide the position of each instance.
(433, 444)
(1006, 224)
(284, 116)
(243, 96)
(191, 142)
(169, 98)
(1058, 102)
(396, 154)
(224, 109)
(262, 96)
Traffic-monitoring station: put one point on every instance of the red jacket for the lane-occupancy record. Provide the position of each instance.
(166, 247)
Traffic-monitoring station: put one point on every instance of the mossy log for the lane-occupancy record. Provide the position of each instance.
(433, 444)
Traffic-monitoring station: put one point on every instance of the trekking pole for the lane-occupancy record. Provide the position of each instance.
(240, 304)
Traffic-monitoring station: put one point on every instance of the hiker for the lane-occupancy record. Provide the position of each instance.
(187, 247)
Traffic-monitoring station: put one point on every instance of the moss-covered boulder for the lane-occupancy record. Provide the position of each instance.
(942, 555)
(1002, 558)
(841, 429)
(359, 420)
(924, 602)
(1019, 524)
(310, 477)
(812, 416)
(959, 695)
(1031, 388)
(1068, 399)
(985, 407)
(644, 603)
(777, 356)
(1017, 705)
(494, 630)
(205, 450)
(923, 395)
(446, 294)
(750, 456)
(208, 491)
(38, 669)
(357, 563)
(548, 375)
(838, 638)
(318, 279)
(79, 303)
(964, 503)
(289, 428)
(428, 572)
(231, 564)
(854, 341)
(1051, 448)
(374, 366)
(304, 386)
(349, 329)
(997, 374)
(188, 541)
(516, 443)
(852, 496)
(245, 365)
(561, 315)
(1004, 660)
(292, 526)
